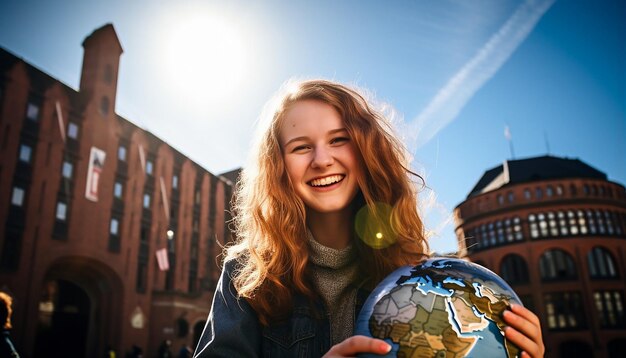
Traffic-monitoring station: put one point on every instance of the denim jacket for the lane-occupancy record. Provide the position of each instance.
(233, 329)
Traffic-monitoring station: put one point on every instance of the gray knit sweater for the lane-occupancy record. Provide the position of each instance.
(334, 274)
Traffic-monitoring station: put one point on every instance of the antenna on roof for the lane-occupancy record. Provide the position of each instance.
(545, 137)
(507, 135)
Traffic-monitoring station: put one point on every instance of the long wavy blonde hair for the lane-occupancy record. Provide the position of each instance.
(271, 247)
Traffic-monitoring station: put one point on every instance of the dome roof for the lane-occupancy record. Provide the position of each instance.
(534, 169)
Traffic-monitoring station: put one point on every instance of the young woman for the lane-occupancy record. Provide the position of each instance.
(325, 210)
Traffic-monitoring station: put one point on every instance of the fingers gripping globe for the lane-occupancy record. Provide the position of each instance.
(444, 307)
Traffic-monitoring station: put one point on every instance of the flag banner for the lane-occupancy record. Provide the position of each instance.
(166, 205)
(96, 164)
(60, 118)
(162, 259)
(142, 158)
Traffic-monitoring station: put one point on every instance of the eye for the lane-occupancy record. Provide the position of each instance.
(301, 148)
(339, 140)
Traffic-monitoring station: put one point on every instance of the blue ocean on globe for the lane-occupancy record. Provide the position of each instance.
(444, 307)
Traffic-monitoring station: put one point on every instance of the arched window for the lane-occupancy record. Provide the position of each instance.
(557, 265)
(601, 263)
(513, 269)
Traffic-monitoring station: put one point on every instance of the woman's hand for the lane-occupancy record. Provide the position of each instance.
(524, 330)
(354, 345)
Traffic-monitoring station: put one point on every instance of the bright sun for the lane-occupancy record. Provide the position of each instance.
(205, 58)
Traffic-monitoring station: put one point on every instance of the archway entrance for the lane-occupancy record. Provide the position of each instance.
(63, 325)
(78, 309)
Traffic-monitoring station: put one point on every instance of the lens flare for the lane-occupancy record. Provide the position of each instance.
(373, 226)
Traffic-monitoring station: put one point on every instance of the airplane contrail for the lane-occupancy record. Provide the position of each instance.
(461, 87)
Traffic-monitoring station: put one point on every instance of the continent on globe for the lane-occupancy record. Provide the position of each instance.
(442, 308)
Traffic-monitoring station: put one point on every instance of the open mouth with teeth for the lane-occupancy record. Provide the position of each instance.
(327, 181)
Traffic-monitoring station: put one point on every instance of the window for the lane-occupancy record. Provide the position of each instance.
(114, 227)
(500, 199)
(492, 235)
(121, 153)
(565, 310)
(610, 309)
(571, 220)
(543, 225)
(591, 221)
(175, 182)
(511, 196)
(149, 167)
(25, 153)
(554, 230)
(500, 232)
(32, 112)
(108, 74)
(104, 105)
(549, 191)
(538, 193)
(557, 265)
(17, 198)
(118, 190)
(509, 230)
(532, 223)
(559, 190)
(61, 213)
(146, 201)
(197, 197)
(562, 223)
(527, 194)
(609, 222)
(601, 264)
(582, 222)
(517, 228)
(72, 130)
(67, 170)
(600, 221)
(513, 269)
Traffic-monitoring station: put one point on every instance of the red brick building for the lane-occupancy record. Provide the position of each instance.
(555, 230)
(87, 199)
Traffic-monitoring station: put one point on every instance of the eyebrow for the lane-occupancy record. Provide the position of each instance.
(331, 132)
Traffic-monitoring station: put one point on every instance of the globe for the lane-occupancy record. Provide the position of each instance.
(444, 307)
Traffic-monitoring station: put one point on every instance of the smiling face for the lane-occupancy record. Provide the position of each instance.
(319, 156)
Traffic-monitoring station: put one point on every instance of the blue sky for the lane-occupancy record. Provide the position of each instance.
(454, 73)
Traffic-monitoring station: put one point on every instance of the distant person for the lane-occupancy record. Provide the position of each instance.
(7, 349)
(165, 349)
(135, 352)
(184, 352)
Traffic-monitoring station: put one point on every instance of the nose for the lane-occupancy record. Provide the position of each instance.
(322, 158)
